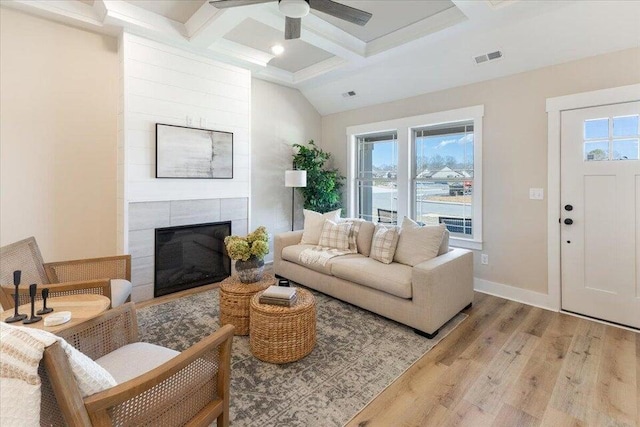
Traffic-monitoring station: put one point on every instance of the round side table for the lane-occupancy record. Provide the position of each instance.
(235, 298)
(283, 334)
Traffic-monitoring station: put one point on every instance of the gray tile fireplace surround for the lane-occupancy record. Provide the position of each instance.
(145, 217)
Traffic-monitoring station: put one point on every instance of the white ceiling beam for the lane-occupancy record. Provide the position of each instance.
(318, 69)
(139, 20)
(68, 11)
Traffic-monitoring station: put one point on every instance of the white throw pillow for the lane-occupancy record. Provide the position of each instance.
(383, 246)
(313, 222)
(418, 243)
(335, 236)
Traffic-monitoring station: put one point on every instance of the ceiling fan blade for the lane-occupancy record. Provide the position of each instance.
(292, 28)
(341, 11)
(223, 4)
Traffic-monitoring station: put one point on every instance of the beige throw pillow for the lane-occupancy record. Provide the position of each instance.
(383, 246)
(313, 222)
(418, 243)
(335, 236)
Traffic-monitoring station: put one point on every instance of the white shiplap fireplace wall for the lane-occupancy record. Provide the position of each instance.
(164, 84)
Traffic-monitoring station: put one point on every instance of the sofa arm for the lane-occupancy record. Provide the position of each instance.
(283, 240)
(444, 285)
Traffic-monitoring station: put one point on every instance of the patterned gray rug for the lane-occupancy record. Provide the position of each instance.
(357, 355)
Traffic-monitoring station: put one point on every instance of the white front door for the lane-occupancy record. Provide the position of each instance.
(600, 205)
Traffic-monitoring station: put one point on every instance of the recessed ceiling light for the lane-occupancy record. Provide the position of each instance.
(277, 49)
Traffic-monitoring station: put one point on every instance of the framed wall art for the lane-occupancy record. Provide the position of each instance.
(184, 152)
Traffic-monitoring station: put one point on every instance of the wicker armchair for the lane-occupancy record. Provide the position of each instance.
(82, 276)
(191, 388)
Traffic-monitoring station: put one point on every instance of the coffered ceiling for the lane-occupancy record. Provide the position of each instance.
(408, 47)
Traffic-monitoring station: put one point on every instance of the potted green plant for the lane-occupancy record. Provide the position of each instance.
(322, 193)
(248, 253)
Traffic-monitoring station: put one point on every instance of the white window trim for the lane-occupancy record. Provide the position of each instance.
(405, 127)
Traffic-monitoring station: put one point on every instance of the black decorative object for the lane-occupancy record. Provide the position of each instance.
(283, 282)
(45, 295)
(33, 288)
(16, 316)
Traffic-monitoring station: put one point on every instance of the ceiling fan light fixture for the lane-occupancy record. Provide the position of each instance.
(294, 8)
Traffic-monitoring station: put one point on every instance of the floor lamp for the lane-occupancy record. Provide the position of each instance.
(294, 179)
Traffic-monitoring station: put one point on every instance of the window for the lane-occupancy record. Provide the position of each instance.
(376, 177)
(426, 167)
(443, 173)
(612, 138)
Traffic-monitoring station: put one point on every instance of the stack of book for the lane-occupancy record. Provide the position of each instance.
(279, 295)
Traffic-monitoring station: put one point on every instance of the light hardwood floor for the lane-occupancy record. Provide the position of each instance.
(510, 364)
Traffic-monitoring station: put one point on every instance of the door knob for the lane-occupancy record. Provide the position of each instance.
(568, 207)
(568, 221)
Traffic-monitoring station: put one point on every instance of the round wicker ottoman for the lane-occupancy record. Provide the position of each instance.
(235, 298)
(283, 334)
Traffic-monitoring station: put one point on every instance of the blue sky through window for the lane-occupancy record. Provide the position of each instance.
(458, 146)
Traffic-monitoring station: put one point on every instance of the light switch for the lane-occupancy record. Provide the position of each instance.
(536, 193)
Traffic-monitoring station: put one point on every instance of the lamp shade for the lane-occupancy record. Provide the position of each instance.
(295, 178)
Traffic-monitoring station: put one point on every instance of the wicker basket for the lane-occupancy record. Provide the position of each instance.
(283, 334)
(235, 298)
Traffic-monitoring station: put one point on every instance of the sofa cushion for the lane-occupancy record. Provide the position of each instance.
(132, 360)
(394, 278)
(313, 222)
(292, 254)
(418, 243)
(362, 230)
(383, 245)
(335, 236)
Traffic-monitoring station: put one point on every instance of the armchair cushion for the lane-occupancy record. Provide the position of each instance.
(135, 359)
(120, 291)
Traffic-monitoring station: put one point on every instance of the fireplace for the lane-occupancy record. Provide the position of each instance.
(189, 256)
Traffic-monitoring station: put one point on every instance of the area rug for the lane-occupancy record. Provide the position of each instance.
(357, 355)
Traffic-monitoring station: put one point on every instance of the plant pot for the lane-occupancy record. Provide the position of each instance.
(251, 270)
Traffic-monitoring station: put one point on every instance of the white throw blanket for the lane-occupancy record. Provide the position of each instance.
(319, 255)
(21, 350)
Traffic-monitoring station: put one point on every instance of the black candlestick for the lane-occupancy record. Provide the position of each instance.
(16, 316)
(45, 295)
(33, 288)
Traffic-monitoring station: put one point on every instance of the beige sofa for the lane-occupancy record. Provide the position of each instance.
(423, 297)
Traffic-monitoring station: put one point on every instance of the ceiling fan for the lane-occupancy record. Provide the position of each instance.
(294, 10)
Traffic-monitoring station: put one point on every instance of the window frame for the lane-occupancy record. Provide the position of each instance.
(405, 128)
(359, 179)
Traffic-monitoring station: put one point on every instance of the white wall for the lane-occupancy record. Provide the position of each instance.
(281, 117)
(514, 154)
(162, 84)
(58, 107)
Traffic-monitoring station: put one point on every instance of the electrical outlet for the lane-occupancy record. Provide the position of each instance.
(189, 121)
(536, 193)
(484, 259)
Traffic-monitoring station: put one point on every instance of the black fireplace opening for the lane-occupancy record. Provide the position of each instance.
(188, 256)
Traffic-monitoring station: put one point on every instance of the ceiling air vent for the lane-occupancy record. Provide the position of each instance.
(491, 56)
(348, 94)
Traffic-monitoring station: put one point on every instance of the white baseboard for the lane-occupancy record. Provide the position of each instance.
(524, 296)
